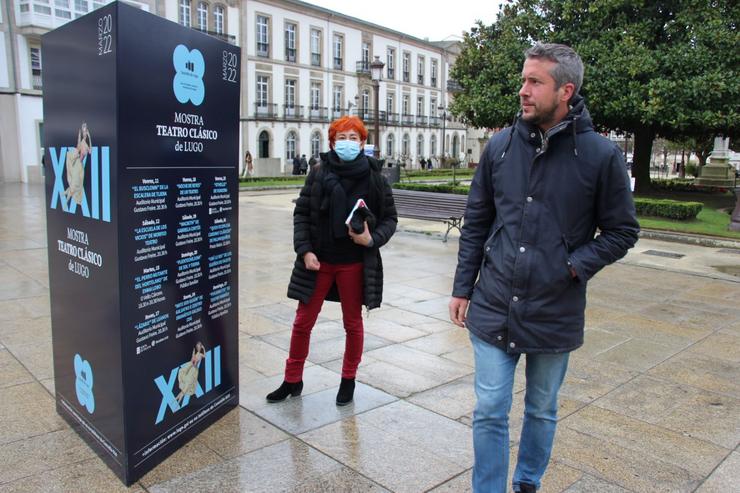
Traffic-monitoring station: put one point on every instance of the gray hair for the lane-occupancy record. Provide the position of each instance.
(568, 65)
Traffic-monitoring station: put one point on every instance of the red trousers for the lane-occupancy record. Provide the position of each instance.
(349, 280)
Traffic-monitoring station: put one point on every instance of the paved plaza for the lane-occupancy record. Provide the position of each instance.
(651, 402)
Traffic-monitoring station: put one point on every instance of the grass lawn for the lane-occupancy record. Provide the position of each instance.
(712, 220)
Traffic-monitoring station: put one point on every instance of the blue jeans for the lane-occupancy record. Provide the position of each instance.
(494, 380)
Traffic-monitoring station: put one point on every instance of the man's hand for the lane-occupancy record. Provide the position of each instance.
(363, 238)
(458, 308)
(311, 261)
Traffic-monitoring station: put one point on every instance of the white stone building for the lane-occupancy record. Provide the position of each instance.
(303, 66)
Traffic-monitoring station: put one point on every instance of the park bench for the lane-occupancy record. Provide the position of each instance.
(431, 206)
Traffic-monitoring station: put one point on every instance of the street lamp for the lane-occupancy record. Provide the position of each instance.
(443, 109)
(376, 72)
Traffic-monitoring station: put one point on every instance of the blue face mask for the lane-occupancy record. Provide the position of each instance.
(347, 150)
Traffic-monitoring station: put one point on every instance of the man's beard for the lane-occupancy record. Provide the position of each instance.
(541, 115)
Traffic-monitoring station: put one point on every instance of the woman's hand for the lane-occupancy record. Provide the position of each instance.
(363, 238)
(311, 261)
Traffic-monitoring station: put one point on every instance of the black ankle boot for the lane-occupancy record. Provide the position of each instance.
(527, 488)
(285, 389)
(346, 391)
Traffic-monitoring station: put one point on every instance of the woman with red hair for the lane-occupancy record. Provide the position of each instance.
(334, 262)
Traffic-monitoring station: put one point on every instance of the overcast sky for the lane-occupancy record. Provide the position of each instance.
(436, 20)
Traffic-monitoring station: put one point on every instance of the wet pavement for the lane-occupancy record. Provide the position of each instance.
(651, 402)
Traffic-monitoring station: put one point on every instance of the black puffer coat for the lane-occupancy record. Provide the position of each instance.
(534, 207)
(307, 218)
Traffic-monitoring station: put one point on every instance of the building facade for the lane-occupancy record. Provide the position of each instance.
(302, 67)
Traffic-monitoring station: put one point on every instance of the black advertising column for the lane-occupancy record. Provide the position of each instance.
(141, 127)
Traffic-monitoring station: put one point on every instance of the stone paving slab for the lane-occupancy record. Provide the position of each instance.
(650, 403)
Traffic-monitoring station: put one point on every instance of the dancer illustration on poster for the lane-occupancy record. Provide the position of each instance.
(76, 161)
(187, 377)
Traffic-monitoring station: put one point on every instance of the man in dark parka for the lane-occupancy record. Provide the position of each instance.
(528, 247)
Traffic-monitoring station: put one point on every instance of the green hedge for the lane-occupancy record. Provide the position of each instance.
(439, 187)
(439, 172)
(671, 209)
(272, 178)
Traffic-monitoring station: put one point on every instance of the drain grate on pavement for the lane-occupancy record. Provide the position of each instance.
(729, 250)
(660, 253)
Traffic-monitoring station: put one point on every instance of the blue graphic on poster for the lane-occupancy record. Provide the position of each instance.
(189, 69)
(84, 383)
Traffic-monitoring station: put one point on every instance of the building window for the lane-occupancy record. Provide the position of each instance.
(290, 145)
(290, 35)
(263, 90)
(433, 145)
(405, 68)
(218, 19)
(184, 13)
(432, 107)
(390, 66)
(434, 73)
(40, 7)
(290, 93)
(62, 10)
(338, 49)
(420, 106)
(420, 70)
(390, 104)
(316, 47)
(389, 145)
(202, 16)
(263, 36)
(365, 104)
(315, 95)
(264, 144)
(455, 146)
(365, 55)
(420, 146)
(35, 67)
(315, 144)
(405, 105)
(338, 98)
(405, 144)
(81, 8)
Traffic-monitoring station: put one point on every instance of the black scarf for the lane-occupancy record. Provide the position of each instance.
(336, 171)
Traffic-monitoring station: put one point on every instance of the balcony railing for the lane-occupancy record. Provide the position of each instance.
(338, 112)
(421, 120)
(420, 79)
(338, 63)
(316, 59)
(263, 50)
(36, 81)
(292, 112)
(453, 86)
(265, 110)
(393, 118)
(434, 82)
(406, 77)
(391, 73)
(363, 67)
(317, 114)
(222, 36)
(435, 121)
(290, 54)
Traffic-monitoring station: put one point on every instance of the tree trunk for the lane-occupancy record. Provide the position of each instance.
(641, 156)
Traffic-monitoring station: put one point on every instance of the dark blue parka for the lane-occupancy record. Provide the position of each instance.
(535, 204)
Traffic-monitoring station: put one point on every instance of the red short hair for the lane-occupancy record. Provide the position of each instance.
(345, 124)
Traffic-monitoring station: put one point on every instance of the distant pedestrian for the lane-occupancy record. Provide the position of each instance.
(543, 188)
(296, 165)
(248, 166)
(303, 165)
(422, 163)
